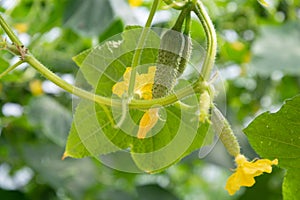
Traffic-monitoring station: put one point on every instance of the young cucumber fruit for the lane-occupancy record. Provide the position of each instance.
(174, 52)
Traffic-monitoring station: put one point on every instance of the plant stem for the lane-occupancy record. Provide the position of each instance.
(211, 40)
(138, 51)
(63, 84)
(9, 69)
(9, 32)
(187, 24)
(182, 16)
(135, 104)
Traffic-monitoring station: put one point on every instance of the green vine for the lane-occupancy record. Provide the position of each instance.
(211, 39)
(9, 32)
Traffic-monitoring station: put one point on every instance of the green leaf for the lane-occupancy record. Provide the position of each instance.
(86, 135)
(290, 185)
(102, 66)
(277, 50)
(89, 17)
(94, 131)
(74, 147)
(52, 118)
(78, 59)
(276, 135)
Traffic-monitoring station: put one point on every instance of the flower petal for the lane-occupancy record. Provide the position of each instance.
(121, 87)
(147, 122)
(236, 180)
(142, 87)
(146, 92)
(144, 83)
(246, 171)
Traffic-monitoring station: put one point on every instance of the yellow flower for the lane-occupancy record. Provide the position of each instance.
(142, 88)
(135, 3)
(246, 171)
(36, 87)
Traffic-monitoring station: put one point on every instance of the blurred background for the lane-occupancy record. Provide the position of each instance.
(258, 58)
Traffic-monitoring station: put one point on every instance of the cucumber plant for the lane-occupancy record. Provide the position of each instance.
(173, 55)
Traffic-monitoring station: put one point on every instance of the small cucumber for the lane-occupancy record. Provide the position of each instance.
(169, 59)
(225, 133)
(173, 55)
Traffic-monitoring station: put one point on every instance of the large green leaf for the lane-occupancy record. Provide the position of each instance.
(94, 131)
(102, 67)
(276, 135)
(172, 136)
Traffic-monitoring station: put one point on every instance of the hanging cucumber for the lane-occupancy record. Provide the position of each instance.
(174, 52)
(186, 54)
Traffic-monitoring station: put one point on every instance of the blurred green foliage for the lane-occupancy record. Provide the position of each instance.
(258, 58)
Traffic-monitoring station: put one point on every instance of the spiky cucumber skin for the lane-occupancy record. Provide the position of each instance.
(186, 54)
(172, 58)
